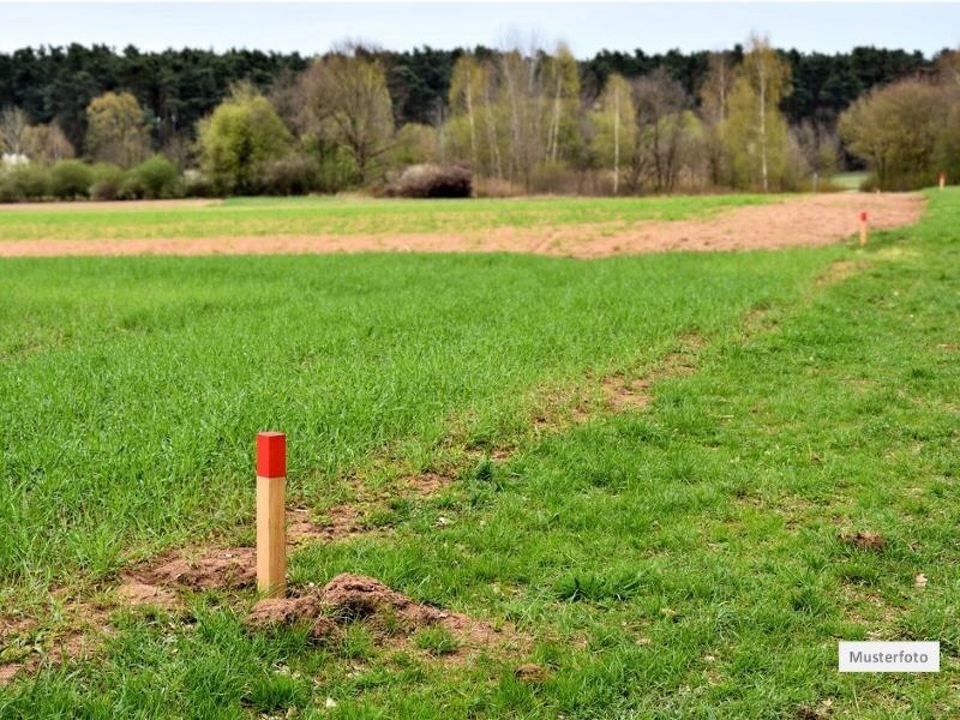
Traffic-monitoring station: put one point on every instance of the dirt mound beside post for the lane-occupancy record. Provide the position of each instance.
(348, 599)
(233, 568)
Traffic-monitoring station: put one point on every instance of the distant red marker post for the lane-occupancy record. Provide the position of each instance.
(943, 180)
(271, 503)
(863, 228)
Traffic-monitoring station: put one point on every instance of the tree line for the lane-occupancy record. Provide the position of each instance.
(522, 119)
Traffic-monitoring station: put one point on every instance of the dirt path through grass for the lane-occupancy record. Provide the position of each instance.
(807, 220)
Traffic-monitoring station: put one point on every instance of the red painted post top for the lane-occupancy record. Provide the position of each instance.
(863, 216)
(271, 455)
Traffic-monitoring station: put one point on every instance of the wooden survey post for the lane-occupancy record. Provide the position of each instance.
(863, 229)
(943, 180)
(271, 517)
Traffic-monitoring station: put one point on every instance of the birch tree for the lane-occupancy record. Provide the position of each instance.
(520, 94)
(714, 104)
(756, 131)
(616, 129)
(13, 130)
(467, 88)
(562, 83)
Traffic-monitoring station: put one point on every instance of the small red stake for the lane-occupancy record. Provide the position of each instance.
(271, 517)
(863, 228)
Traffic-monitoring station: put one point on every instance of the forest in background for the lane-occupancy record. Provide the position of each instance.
(520, 119)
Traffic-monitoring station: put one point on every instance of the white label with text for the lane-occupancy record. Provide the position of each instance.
(889, 657)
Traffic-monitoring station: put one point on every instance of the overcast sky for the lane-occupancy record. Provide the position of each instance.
(313, 27)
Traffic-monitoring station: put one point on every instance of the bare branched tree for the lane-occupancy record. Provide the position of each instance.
(345, 98)
(660, 102)
(13, 130)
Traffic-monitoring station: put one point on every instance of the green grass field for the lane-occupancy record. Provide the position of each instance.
(679, 560)
(850, 181)
(260, 217)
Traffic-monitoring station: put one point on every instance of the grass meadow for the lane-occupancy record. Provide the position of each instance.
(850, 181)
(688, 558)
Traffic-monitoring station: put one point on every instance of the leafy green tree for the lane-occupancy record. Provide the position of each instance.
(948, 146)
(242, 134)
(898, 130)
(116, 130)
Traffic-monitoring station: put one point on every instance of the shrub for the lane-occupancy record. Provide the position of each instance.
(7, 194)
(155, 178)
(132, 187)
(433, 181)
(553, 178)
(70, 179)
(107, 182)
(497, 188)
(24, 182)
(293, 174)
(197, 185)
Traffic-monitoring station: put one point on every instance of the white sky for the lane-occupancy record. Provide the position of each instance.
(313, 27)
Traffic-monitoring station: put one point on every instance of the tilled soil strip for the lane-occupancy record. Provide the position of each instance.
(804, 220)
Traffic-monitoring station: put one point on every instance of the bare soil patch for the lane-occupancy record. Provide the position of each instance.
(425, 484)
(133, 592)
(623, 395)
(15, 626)
(625, 392)
(230, 568)
(804, 220)
(391, 616)
(22, 655)
(864, 540)
(840, 270)
(341, 521)
(72, 646)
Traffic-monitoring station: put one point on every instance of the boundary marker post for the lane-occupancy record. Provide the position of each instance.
(271, 513)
